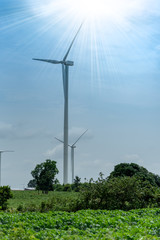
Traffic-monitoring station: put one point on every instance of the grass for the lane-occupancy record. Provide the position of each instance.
(33, 200)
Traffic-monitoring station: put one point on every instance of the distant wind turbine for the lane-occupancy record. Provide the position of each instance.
(1, 151)
(73, 146)
(65, 73)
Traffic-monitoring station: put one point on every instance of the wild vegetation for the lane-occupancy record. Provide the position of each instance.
(128, 187)
(123, 193)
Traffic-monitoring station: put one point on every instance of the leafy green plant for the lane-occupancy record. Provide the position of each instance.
(5, 194)
(67, 188)
(76, 184)
(123, 193)
(85, 224)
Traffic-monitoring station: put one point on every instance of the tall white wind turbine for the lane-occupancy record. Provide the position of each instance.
(73, 146)
(1, 151)
(65, 73)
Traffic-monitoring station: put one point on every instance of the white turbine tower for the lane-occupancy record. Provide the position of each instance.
(65, 72)
(73, 146)
(1, 151)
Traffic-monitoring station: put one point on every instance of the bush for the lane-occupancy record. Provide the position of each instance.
(77, 184)
(67, 187)
(5, 194)
(58, 187)
(123, 193)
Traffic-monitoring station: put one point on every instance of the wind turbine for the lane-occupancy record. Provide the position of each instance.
(1, 151)
(73, 146)
(65, 75)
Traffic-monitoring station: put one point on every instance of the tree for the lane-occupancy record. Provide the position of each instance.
(133, 169)
(76, 184)
(44, 175)
(32, 183)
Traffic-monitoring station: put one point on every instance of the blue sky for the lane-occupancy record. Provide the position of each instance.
(113, 92)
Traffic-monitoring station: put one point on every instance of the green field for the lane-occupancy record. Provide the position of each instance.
(33, 200)
(99, 224)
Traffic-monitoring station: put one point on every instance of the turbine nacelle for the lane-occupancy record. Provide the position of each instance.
(69, 63)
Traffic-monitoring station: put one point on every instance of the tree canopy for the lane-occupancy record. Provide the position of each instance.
(44, 175)
(133, 169)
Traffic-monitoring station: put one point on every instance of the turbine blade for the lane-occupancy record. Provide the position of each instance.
(79, 137)
(47, 60)
(6, 151)
(62, 141)
(65, 57)
(59, 140)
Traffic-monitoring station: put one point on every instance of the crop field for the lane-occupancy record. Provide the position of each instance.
(85, 224)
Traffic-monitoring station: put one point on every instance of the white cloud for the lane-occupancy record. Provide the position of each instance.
(55, 152)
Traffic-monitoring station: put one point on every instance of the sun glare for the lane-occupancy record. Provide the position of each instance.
(88, 8)
(117, 11)
(99, 9)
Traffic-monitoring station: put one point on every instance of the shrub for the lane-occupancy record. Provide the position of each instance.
(5, 194)
(76, 184)
(67, 188)
(20, 208)
(58, 187)
(123, 193)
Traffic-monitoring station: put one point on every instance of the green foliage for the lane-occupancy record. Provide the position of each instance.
(5, 194)
(44, 175)
(133, 169)
(32, 183)
(77, 184)
(100, 224)
(58, 187)
(67, 187)
(118, 193)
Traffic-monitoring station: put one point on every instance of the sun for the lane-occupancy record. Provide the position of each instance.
(88, 8)
(100, 10)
